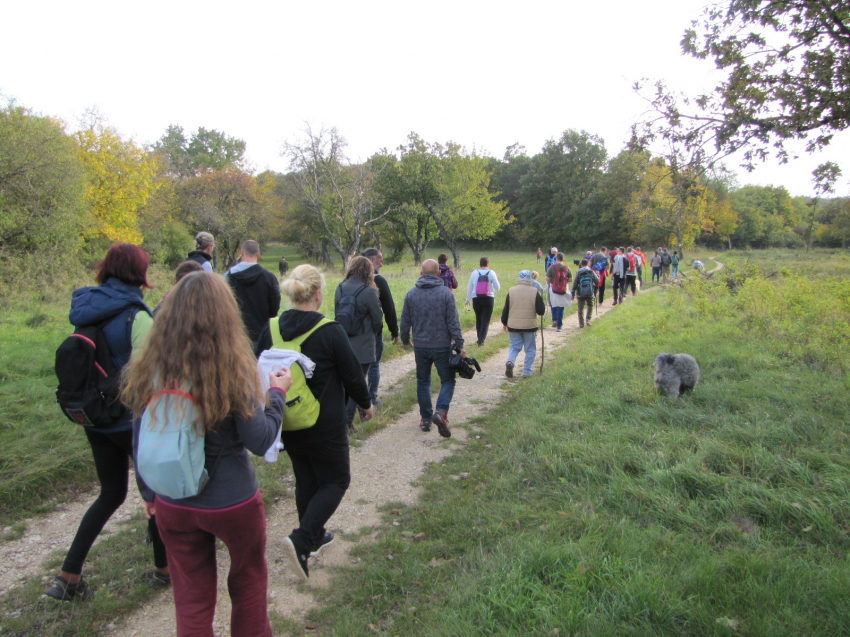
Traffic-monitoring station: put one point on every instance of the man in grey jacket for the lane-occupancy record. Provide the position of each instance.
(430, 311)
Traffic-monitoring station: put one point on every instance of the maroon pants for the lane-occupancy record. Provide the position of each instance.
(189, 535)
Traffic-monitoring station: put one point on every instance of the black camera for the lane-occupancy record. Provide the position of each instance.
(463, 365)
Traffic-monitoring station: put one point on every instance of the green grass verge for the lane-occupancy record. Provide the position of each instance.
(594, 506)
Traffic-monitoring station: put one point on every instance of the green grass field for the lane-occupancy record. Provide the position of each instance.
(601, 508)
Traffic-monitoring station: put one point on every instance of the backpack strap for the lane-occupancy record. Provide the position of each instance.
(301, 338)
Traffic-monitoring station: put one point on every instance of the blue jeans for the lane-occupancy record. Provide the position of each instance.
(675, 270)
(520, 340)
(558, 316)
(374, 377)
(425, 357)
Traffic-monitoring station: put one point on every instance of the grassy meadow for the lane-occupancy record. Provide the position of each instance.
(593, 505)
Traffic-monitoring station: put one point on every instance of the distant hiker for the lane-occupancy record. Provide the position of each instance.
(674, 264)
(666, 262)
(699, 266)
(655, 262)
(204, 246)
(640, 265)
(117, 304)
(185, 268)
(283, 267)
(446, 273)
(319, 454)
(519, 318)
(197, 346)
(482, 288)
(390, 320)
(631, 272)
(358, 310)
(599, 264)
(258, 293)
(539, 254)
(550, 258)
(583, 287)
(558, 278)
(430, 313)
(618, 269)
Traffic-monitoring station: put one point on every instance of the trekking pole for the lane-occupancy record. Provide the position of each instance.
(542, 347)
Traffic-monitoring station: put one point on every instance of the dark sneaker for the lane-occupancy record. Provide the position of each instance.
(425, 425)
(326, 540)
(509, 369)
(442, 421)
(160, 580)
(63, 591)
(297, 559)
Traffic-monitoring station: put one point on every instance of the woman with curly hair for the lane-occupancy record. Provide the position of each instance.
(198, 344)
(319, 454)
(359, 282)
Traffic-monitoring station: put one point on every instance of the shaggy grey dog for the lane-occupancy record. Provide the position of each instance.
(675, 373)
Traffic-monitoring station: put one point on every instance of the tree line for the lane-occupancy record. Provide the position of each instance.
(74, 192)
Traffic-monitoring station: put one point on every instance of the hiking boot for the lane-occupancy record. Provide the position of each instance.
(425, 425)
(558, 329)
(326, 540)
(509, 369)
(442, 421)
(581, 327)
(554, 325)
(63, 591)
(160, 580)
(352, 429)
(587, 323)
(297, 559)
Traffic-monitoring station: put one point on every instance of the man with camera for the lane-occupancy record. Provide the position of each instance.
(430, 312)
(519, 319)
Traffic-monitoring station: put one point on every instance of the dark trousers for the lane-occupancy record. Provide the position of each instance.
(619, 288)
(351, 406)
(629, 283)
(439, 358)
(190, 536)
(112, 453)
(374, 375)
(322, 475)
(585, 301)
(483, 306)
(600, 291)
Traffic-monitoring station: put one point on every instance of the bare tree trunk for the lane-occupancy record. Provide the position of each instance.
(445, 236)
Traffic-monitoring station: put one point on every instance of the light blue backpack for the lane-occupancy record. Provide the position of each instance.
(170, 456)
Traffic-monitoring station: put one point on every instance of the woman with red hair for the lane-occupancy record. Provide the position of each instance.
(116, 304)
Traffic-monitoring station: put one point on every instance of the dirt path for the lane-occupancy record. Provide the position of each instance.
(383, 469)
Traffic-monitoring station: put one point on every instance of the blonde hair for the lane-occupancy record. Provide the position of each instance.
(198, 341)
(535, 275)
(362, 268)
(303, 283)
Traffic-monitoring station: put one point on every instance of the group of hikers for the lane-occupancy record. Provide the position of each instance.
(210, 343)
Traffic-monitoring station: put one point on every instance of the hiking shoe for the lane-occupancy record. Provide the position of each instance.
(509, 369)
(352, 429)
(326, 540)
(297, 559)
(587, 323)
(554, 325)
(425, 425)
(63, 591)
(442, 421)
(160, 580)
(558, 329)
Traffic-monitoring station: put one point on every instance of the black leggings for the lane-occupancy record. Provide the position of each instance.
(322, 475)
(483, 306)
(112, 452)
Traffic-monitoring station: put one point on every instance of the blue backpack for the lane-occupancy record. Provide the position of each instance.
(601, 265)
(170, 455)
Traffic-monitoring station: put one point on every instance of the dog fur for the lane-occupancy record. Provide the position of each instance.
(675, 373)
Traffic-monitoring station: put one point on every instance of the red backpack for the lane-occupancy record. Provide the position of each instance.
(559, 285)
(631, 259)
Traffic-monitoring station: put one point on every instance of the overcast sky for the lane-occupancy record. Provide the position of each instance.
(484, 74)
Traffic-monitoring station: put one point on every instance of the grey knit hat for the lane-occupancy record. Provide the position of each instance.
(524, 275)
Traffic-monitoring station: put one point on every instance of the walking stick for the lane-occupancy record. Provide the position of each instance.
(542, 346)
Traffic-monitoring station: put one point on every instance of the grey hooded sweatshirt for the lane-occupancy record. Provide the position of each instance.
(430, 311)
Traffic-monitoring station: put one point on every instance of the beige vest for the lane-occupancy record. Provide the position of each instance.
(521, 312)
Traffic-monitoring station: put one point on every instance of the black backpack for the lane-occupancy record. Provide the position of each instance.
(585, 284)
(666, 259)
(88, 379)
(346, 312)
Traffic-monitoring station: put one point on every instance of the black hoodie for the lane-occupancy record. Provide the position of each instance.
(258, 293)
(338, 374)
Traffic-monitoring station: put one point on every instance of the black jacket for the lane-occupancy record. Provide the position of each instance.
(258, 294)
(387, 305)
(338, 374)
